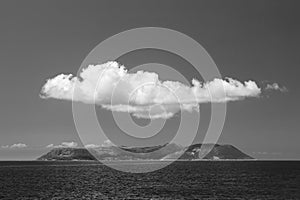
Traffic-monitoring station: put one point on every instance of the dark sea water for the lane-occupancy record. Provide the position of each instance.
(180, 180)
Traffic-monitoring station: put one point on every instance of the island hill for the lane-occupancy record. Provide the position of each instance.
(161, 152)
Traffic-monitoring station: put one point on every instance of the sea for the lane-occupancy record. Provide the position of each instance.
(181, 180)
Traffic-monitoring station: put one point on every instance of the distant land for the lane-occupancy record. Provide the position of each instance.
(160, 152)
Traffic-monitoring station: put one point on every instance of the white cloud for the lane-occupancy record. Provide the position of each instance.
(18, 145)
(142, 93)
(63, 144)
(163, 115)
(50, 146)
(68, 144)
(5, 146)
(275, 86)
(107, 143)
(91, 146)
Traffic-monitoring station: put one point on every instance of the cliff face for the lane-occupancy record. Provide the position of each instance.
(170, 151)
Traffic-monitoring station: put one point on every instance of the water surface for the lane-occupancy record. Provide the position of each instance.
(180, 180)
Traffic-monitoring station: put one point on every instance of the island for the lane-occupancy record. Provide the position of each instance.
(161, 152)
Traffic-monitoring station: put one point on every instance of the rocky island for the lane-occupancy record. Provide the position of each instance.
(160, 152)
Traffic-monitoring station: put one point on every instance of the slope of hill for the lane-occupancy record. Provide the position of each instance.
(210, 151)
(161, 152)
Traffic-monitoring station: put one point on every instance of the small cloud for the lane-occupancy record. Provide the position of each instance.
(275, 86)
(91, 146)
(19, 145)
(50, 146)
(5, 146)
(69, 144)
(63, 144)
(107, 143)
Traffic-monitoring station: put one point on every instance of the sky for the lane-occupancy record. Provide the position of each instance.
(248, 40)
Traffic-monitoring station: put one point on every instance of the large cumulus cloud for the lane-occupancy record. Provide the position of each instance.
(111, 86)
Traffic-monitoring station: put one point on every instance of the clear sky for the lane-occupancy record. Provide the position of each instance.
(248, 40)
